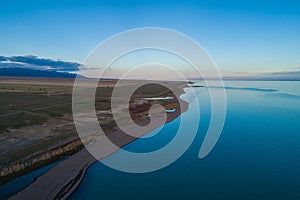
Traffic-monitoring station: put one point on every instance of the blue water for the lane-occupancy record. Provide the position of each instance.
(256, 157)
(18, 184)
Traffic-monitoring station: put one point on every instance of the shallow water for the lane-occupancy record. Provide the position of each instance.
(256, 157)
(18, 184)
(158, 98)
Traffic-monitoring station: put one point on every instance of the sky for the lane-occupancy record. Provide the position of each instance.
(240, 36)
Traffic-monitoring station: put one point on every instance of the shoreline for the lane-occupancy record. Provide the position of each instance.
(65, 177)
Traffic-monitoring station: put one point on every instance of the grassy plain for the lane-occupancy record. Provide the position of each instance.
(36, 118)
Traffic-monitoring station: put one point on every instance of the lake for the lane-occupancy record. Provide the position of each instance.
(256, 157)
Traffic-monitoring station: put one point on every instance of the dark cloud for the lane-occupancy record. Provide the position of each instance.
(35, 62)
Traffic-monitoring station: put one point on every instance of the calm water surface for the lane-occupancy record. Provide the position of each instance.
(256, 157)
(18, 184)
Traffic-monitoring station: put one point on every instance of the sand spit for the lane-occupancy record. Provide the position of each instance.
(63, 179)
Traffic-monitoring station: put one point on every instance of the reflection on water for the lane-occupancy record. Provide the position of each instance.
(257, 156)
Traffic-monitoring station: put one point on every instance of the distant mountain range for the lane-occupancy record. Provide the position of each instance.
(36, 67)
(34, 73)
(267, 76)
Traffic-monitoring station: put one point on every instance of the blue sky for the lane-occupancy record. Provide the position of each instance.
(240, 36)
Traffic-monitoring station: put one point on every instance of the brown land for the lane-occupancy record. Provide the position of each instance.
(38, 129)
